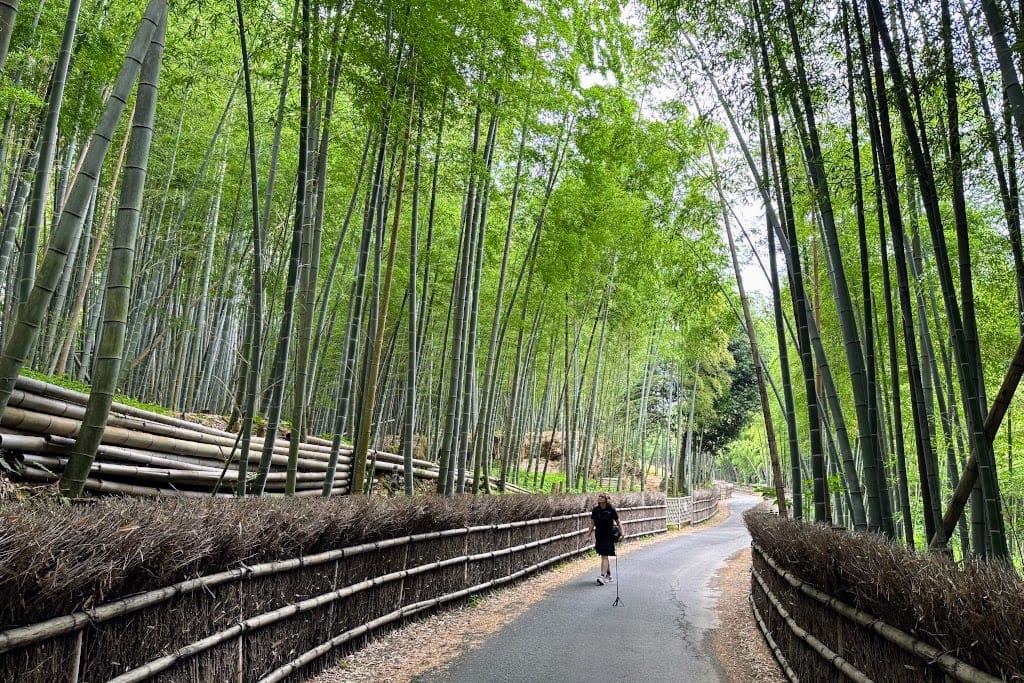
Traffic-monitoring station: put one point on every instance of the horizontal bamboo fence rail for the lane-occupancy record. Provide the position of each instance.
(145, 453)
(273, 620)
(816, 636)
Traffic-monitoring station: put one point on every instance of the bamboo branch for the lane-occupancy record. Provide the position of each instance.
(993, 420)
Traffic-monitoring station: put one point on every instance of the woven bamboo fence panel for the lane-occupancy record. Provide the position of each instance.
(693, 509)
(817, 637)
(280, 620)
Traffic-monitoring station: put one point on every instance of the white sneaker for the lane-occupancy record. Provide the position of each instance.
(600, 580)
(608, 578)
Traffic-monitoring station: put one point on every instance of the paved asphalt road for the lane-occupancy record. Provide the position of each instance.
(660, 632)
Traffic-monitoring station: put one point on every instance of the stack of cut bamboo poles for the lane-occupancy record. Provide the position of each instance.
(145, 453)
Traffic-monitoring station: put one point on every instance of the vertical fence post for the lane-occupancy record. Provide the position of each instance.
(465, 563)
(333, 607)
(240, 664)
(839, 634)
(405, 566)
(76, 663)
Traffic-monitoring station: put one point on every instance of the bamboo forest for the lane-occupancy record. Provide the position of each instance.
(537, 246)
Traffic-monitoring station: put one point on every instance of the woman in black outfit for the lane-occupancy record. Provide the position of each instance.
(603, 521)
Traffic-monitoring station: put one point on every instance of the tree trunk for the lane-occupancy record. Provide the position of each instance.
(963, 329)
(8, 16)
(473, 428)
(837, 275)
(363, 432)
(357, 298)
(87, 274)
(119, 276)
(305, 276)
(894, 363)
(285, 333)
(498, 324)
(748, 320)
(412, 365)
(1011, 209)
(254, 320)
(795, 278)
(875, 468)
(448, 458)
(47, 150)
(882, 139)
(1007, 69)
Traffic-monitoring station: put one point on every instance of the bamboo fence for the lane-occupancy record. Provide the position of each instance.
(817, 637)
(145, 453)
(281, 619)
(695, 509)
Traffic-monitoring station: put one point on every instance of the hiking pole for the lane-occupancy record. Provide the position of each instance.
(617, 602)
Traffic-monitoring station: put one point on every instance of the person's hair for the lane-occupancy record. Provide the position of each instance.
(607, 499)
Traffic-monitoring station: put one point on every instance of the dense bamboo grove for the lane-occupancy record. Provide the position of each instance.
(494, 235)
(456, 231)
(882, 139)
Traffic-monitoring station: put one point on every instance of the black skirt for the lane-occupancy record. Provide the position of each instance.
(604, 545)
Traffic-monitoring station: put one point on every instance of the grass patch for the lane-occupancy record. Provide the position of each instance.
(553, 480)
(72, 384)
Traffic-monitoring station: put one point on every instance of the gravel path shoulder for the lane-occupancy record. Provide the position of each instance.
(737, 643)
(415, 648)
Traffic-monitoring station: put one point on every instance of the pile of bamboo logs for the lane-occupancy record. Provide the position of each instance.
(145, 453)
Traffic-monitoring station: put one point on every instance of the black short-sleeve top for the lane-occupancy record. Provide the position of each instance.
(604, 520)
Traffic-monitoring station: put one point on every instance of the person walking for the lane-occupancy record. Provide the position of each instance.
(604, 521)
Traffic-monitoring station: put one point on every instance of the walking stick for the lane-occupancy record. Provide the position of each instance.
(618, 602)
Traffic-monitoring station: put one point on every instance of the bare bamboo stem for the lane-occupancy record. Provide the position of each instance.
(140, 430)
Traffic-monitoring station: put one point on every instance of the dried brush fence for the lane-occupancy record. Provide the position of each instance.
(834, 605)
(258, 590)
(145, 453)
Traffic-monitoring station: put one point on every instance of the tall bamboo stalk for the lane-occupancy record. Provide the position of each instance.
(285, 332)
(363, 428)
(254, 318)
(118, 291)
(448, 454)
(412, 364)
(26, 330)
(962, 327)
(8, 16)
(748, 320)
(788, 239)
(47, 150)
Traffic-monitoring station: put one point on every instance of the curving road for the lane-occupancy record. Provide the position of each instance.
(659, 633)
